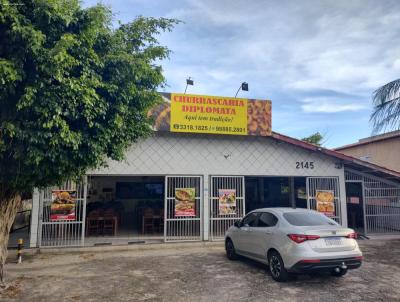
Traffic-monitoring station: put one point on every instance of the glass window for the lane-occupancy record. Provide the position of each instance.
(265, 192)
(250, 220)
(308, 219)
(300, 192)
(267, 220)
(276, 192)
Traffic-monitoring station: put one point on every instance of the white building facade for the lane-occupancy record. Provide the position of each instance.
(207, 163)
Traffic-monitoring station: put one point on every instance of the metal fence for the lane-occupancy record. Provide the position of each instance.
(62, 233)
(183, 228)
(219, 223)
(381, 203)
(315, 184)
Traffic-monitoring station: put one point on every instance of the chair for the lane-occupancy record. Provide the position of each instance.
(109, 223)
(148, 225)
(93, 225)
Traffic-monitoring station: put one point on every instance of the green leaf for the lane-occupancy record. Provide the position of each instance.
(74, 90)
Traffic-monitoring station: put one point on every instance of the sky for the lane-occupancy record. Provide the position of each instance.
(318, 61)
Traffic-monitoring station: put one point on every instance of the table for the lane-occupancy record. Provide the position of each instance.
(102, 219)
(152, 221)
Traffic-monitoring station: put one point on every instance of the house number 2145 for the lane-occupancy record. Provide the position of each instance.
(304, 165)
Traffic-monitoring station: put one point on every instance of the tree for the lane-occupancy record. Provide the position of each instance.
(315, 139)
(74, 91)
(386, 100)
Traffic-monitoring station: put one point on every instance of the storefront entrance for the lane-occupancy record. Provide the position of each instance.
(232, 197)
(124, 209)
(112, 210)
(355, 204)
(379, 200)
(270, 191)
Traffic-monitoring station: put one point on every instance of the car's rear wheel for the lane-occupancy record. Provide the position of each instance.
(277, 267)
(339, 273)
(230, 250)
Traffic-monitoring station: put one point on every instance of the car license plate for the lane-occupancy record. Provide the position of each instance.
(333, 241)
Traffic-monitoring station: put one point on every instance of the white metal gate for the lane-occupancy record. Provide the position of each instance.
(381, 202)
(315, 184)
(183, 228)
(219, 223)
(57, 232)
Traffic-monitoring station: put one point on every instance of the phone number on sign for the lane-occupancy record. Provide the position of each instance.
(207, 128)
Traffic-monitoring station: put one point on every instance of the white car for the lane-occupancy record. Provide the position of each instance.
(294, 241)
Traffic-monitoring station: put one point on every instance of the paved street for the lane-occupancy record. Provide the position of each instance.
(194, 274)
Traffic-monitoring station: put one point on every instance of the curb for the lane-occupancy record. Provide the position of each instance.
(131, 247)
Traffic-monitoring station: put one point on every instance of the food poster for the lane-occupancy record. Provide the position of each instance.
(185, 202)
(227, 201)
(325, 202)
(63, 205)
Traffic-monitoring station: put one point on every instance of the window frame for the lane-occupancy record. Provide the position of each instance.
(251, 213)
(259, 216)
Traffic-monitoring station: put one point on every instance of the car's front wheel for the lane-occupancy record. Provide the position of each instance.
(339, 273)
(230, 250)
(277, 267)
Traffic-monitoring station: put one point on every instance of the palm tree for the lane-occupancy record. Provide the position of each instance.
(386, 100)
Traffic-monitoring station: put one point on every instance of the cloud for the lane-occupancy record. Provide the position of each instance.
(338, 45)
(310, 56)
(327, 105)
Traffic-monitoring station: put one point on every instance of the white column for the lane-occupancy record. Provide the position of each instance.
(343, 202)
(206, 208)
(33, 242)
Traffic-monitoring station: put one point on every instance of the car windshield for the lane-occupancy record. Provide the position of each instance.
(307, 219)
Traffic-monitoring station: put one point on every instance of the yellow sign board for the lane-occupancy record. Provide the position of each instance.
(212, 114)
(208, 114)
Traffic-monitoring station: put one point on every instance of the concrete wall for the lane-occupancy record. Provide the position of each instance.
(383, 153)
(165, 154)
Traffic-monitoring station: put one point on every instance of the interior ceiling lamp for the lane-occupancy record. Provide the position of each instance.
(244, 86)
(189, 81)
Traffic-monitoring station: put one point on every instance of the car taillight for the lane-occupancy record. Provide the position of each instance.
(352, 235)
(298, 238)
(310, 261)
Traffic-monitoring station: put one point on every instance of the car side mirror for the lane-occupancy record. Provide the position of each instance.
(238, 224)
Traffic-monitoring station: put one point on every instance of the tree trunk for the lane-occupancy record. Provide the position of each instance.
(10, 202)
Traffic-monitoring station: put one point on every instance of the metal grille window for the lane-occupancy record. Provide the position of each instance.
(381, 203)
(59, 232)
(177, 227)
(220, 222)
(315, 184)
